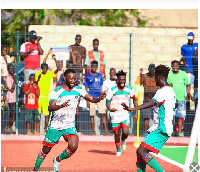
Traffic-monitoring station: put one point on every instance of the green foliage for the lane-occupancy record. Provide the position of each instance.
(17, 19)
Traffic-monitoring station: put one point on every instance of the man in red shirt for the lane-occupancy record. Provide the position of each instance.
(32, 92)
(30, 52)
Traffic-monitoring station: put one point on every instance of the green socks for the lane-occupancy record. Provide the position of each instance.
(140, 164)
(39, 160)
(64, 155)
(151, 161)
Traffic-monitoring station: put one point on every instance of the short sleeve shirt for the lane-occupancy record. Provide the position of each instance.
(32, 61)
(116, 96)
(4, 71)
(94, 83)
(179, 81)
(65, 117)
(31, 100)
(188, 51)
(45, 82)
(165, 99)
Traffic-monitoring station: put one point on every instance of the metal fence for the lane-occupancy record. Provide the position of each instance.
(129, 52)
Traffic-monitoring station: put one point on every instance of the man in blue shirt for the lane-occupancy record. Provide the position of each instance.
(93, 84)
(187, 51)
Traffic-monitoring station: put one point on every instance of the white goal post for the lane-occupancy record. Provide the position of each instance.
(194, 138)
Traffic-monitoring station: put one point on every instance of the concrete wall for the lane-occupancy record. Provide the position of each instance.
(148, 45)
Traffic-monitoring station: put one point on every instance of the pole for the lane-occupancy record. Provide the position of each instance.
(137, 142)
(130, 35)
(17, 79)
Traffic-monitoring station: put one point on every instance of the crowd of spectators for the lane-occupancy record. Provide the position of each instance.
(90, 66)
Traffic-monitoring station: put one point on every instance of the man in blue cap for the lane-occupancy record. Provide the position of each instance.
(187, 52)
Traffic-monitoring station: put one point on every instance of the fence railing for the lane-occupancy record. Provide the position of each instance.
(123, 52)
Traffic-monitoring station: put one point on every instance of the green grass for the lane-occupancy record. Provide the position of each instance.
(178, 154)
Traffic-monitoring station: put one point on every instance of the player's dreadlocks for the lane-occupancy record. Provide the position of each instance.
(121, 73)
(162, 70)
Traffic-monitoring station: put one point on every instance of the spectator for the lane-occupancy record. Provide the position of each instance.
(30, 52)
(178, 80)
(97, 55)
(187, 51)
(59, 64)
(5, 60)
(43, 79)
(32, 92)
(150, 88)
(195, 71)
(93, 84)
(110, 82)
(11, 96)
(79, 53)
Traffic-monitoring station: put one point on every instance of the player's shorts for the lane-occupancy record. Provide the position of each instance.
(52, 136)
(124, 124)
(181, 110)
(29, 114)
(155, 140)
(43, 103)
(101, 108)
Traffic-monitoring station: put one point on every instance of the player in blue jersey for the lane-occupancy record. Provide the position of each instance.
(120, 118)
(154, 140)
(63, 103)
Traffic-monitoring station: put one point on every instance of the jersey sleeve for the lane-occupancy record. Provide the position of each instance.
(25, 88)
(109, 95)
(159, 97)
(23, 48)
(83, 92)
(182, 51)
(52, 74)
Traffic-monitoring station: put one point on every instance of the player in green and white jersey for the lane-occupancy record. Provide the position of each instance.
(120, 118)
(63, 104)
(154, 140)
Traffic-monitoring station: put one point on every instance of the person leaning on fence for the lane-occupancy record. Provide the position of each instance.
(63, 103)
(178, 79)
(79, 53)
(30, 52)
(32, 92)
(11, 96)
(150, 88)
(43, 79)
(97, 55)
(154, 140)
(5, 60)
(93, 84)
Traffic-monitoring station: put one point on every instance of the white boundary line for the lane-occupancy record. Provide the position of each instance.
(168, 160)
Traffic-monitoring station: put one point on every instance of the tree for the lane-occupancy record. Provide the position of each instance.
(16, 19)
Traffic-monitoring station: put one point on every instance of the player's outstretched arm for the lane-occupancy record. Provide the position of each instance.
(54, 107)
(143, 106)
(95, 99)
